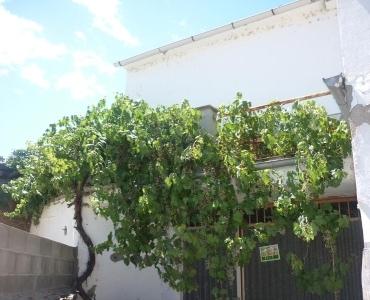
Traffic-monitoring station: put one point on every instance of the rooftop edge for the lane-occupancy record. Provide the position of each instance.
(231, 26)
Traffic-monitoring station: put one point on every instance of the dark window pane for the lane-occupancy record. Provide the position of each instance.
(268, 214)
(261, 215)
(354, 213)
(344, 208)
(253, 218)
(335, 206)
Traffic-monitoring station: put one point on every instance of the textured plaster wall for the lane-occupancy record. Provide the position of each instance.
(354, 23)
(34, 268)
(57, 224)
(109, 280)
(283, 56)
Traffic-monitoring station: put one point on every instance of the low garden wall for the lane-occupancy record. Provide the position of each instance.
(32, 267)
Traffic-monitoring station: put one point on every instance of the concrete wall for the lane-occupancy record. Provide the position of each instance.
(283, 56)
(355, 36)
(32, 267)
(109, 280)
(354, 24)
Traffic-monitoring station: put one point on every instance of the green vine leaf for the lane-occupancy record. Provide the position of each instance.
(177, 195)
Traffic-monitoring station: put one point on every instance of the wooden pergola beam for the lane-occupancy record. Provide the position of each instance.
(291, 100)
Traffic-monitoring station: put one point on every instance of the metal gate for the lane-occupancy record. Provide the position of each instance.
(273, 280)
(206, 284)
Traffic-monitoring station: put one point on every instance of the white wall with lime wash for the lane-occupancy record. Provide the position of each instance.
(279, 57)
(354, 24)
(109, 280)
(57, 223)
(354, 18)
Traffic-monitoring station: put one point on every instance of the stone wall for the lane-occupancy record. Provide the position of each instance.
(32, 267)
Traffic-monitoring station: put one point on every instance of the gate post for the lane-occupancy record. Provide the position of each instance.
(354, 100)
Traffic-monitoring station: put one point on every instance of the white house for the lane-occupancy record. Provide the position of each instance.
(281, 53)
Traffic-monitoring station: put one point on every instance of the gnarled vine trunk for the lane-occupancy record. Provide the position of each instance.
(87, 240)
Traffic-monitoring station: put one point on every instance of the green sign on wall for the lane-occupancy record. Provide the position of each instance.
(269, 253)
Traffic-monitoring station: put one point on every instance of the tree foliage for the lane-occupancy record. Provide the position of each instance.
(318, 144)
(60, 163)
(17, 158)
(177, 195)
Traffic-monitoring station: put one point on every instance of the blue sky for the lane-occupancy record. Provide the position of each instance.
(56, 57)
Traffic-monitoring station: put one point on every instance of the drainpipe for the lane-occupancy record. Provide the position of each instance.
(352, 93)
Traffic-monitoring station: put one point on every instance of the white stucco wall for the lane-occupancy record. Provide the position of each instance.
(112, 280)
(354, 24)
(54, 219)
(284, 56)
(354, 20)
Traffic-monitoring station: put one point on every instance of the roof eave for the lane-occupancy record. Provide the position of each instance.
(218, 30)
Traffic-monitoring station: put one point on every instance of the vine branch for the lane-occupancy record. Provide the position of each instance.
(78, 204)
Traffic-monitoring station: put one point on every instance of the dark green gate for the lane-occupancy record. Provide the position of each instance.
(273, 280)
(206, 284)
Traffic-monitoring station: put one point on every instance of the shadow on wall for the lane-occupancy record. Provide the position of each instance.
(366, 5)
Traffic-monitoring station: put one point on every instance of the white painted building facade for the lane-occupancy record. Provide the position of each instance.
(278, 54)
(270, 57)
